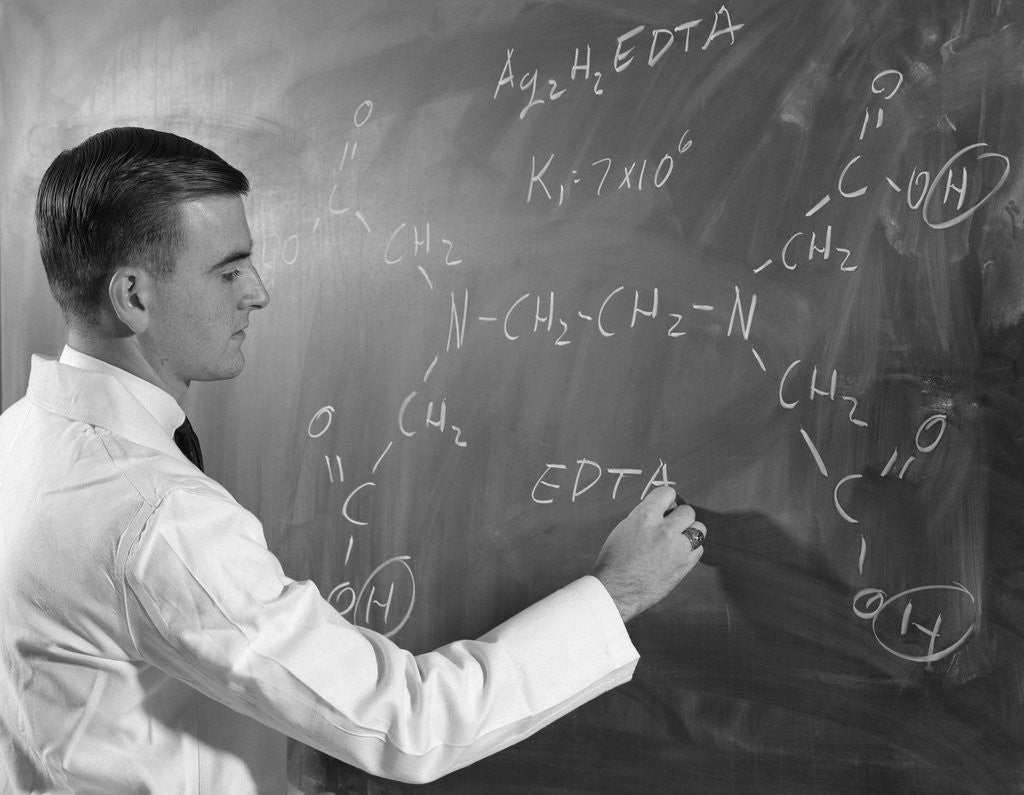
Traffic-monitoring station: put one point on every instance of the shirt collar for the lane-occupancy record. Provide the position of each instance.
(158, 402)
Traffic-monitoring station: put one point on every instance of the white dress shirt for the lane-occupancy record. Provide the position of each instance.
(149, 641)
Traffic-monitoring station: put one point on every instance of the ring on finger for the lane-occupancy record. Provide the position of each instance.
(695, 536)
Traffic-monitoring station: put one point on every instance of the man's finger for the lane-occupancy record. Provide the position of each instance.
(695, 534)
(661, 499)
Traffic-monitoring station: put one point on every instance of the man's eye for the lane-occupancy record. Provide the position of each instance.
(230, 276)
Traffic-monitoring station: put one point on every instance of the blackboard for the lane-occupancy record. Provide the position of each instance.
(527, 259)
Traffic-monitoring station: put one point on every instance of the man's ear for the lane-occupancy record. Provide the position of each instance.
(131, 294)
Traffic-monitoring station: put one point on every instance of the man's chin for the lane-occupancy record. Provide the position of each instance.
(236, 369)
(225, 372)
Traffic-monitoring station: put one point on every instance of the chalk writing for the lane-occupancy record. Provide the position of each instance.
(947, 197)
(620, 310)
(385, 599)
(418, 236)
(604, 174)
(587, 475)
(320, 422)
(336, 204)
(936, 421)
(435, 415)
(815, 392)
(871, 603)
(922, 189)
(793, 248)
(546, 89)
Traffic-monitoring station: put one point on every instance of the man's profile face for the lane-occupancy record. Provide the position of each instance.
(200, 311)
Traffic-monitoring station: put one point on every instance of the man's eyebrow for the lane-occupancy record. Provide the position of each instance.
(234, 256)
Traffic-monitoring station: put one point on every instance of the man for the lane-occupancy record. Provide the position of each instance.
(149, 640)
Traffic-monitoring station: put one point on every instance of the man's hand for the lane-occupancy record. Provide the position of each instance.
(647, 554)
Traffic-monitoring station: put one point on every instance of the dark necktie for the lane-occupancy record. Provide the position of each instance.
(188, 443)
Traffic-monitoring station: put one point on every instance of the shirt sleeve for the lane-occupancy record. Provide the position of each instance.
(209, 604)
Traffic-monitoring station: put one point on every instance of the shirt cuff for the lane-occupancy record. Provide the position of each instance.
(576, 637)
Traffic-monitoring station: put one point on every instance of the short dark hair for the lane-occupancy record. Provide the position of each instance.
(114, 200)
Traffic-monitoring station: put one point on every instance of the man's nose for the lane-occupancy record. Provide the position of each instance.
(256, 294)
